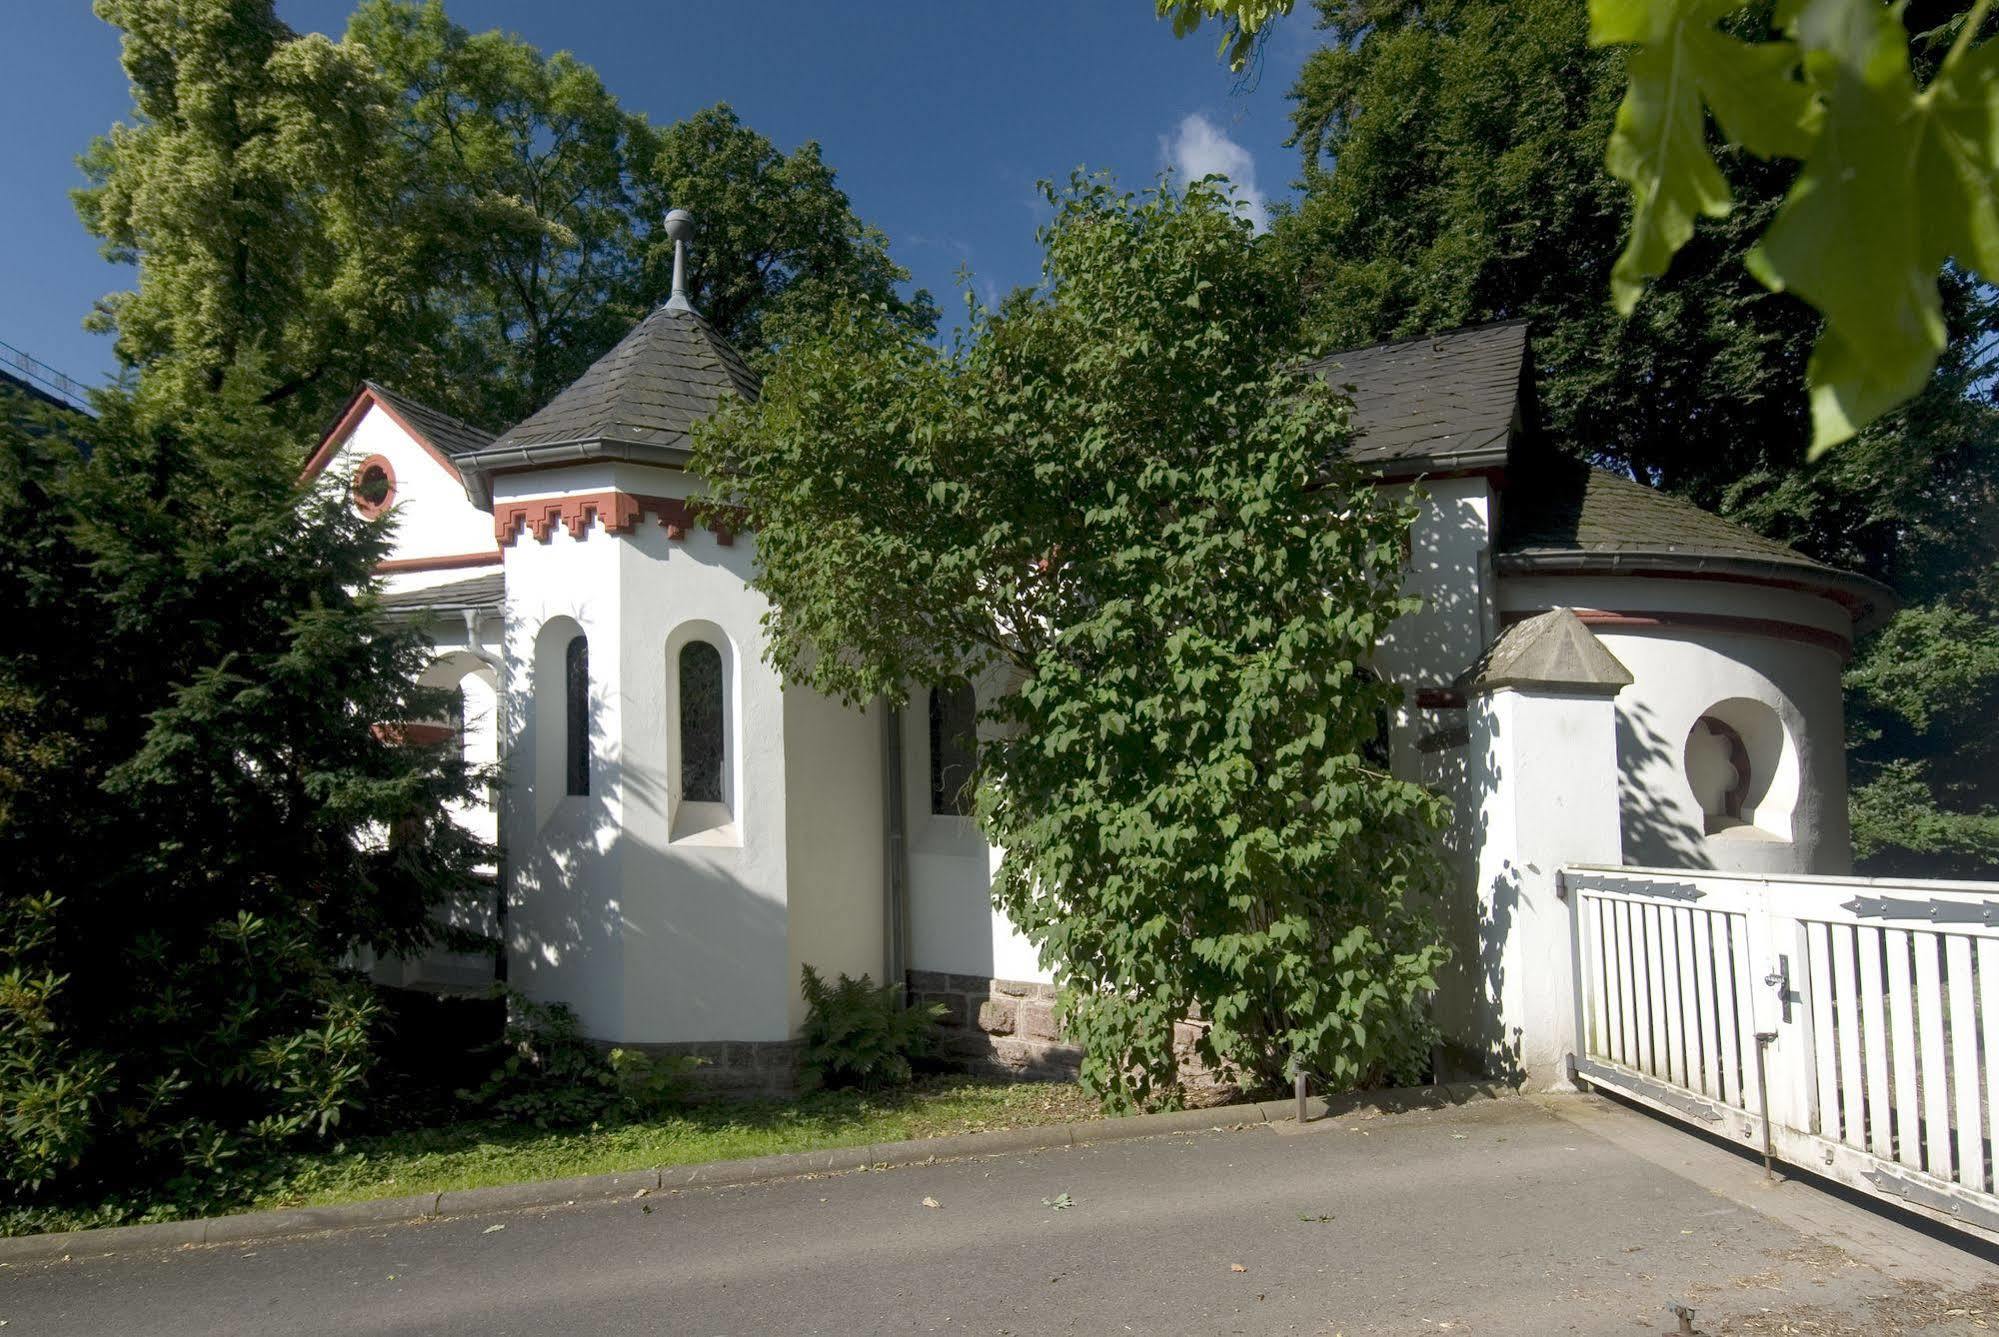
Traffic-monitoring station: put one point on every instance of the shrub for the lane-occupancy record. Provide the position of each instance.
(857, 1033)
(1123, 495)
(553, 1077)
(193, 796)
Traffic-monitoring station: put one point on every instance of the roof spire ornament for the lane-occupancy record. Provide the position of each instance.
(679, 226)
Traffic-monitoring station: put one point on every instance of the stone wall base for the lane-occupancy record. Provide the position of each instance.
(1006, 1028)
(733, 1069)
(999, 1028)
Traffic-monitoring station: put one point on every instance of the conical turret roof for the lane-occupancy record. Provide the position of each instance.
(648, 392)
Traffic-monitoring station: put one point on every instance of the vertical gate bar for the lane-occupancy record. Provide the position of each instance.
(1874, 1034)
(1988, 1029)
(1704, 963)
(1741, 1006)
(1962, 1027)
(1628, 957)
(1901, 999)
(1676, 1030)
(1935, 1076)
(1655, 1014)
(1579, 934)
(1824, 1057)
(1604, 980)
(1599, 977)
(1613, 1019)
(1798, 1050)
(1846, 1013)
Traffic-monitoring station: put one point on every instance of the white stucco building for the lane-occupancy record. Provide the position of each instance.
(681, 831)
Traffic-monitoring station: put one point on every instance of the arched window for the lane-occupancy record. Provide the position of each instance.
(701, 724)
(954, 748)
(576, 684)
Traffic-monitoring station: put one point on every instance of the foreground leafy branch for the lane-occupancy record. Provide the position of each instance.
(1896, 179)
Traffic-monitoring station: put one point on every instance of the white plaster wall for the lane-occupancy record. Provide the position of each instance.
(1450, 564)
(1682, 673)
(654, 937)
(1541, 765)
(433, 517)
(953, 924)
(833, 839)
(566, 921)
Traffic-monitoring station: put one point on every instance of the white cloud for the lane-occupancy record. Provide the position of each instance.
(1201, 148)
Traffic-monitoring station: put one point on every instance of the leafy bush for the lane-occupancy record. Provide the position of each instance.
(553, 1077)
(1123, 494)
(857, 1033)
(193, 796)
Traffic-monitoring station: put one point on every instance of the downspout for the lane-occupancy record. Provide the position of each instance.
(895, 854)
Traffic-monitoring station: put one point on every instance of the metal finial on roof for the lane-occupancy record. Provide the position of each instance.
(679, 226)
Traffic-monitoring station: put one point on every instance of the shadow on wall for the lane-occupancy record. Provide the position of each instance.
(1656, 832)
(648, 944)
(1478, 1045)
(1481, 920)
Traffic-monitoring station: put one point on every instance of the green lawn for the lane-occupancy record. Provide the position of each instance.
(479, 1154)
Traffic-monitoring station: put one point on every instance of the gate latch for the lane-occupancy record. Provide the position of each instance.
(1780, 980)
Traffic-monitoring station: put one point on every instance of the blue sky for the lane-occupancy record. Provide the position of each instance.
(940, 116)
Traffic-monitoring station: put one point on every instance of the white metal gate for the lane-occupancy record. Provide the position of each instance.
(1846, 1025)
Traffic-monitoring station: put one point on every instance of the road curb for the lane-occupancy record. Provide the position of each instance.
(290, 1221)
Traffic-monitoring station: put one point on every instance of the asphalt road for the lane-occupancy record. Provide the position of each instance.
(1497, 1217)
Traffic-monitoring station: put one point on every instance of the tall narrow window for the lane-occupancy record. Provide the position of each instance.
(701, 730)
(577, 685)
(954, 748)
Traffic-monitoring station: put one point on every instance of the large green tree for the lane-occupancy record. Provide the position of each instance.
(458, 214)
(779, 244)
(257, 193)
(1120, 501)
(524, 166)
(1890, 111)
(1453, 174)
(205, 811)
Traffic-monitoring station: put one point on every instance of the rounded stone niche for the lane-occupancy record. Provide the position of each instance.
(1743, 770)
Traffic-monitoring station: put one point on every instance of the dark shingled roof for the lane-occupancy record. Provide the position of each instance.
(1558, 514)
(451, 435)
(483, 591)
(1443, 401)
(661, 379)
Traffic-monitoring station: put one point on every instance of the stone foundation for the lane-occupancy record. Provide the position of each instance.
(1006, 1028)
(734, 1069)
(1002, 1028)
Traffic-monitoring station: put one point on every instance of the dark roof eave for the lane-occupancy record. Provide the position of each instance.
(1869, 602)
(1478, 459)
(479, 466)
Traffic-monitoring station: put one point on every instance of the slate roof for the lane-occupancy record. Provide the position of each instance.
(1559, 514)
(451, 435)
(649, 391)
(486, 591)
(1551, 649)
(1437, 402)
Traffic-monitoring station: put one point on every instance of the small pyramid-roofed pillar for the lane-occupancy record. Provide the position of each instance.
(1544, 773)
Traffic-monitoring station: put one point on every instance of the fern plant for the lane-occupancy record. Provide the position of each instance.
(857, 1033)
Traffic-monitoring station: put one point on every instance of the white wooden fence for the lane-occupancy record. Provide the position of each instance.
(1846, 1025)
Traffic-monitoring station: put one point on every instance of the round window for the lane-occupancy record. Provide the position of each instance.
(1719, 771)
(1742, 769)
(374, 486)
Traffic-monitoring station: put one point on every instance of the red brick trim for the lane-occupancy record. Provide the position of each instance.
(413, 735)
(1439, 698)
(455, 561)
(357, 407)
(1650, 620)
(619, 513)
(372, 510)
